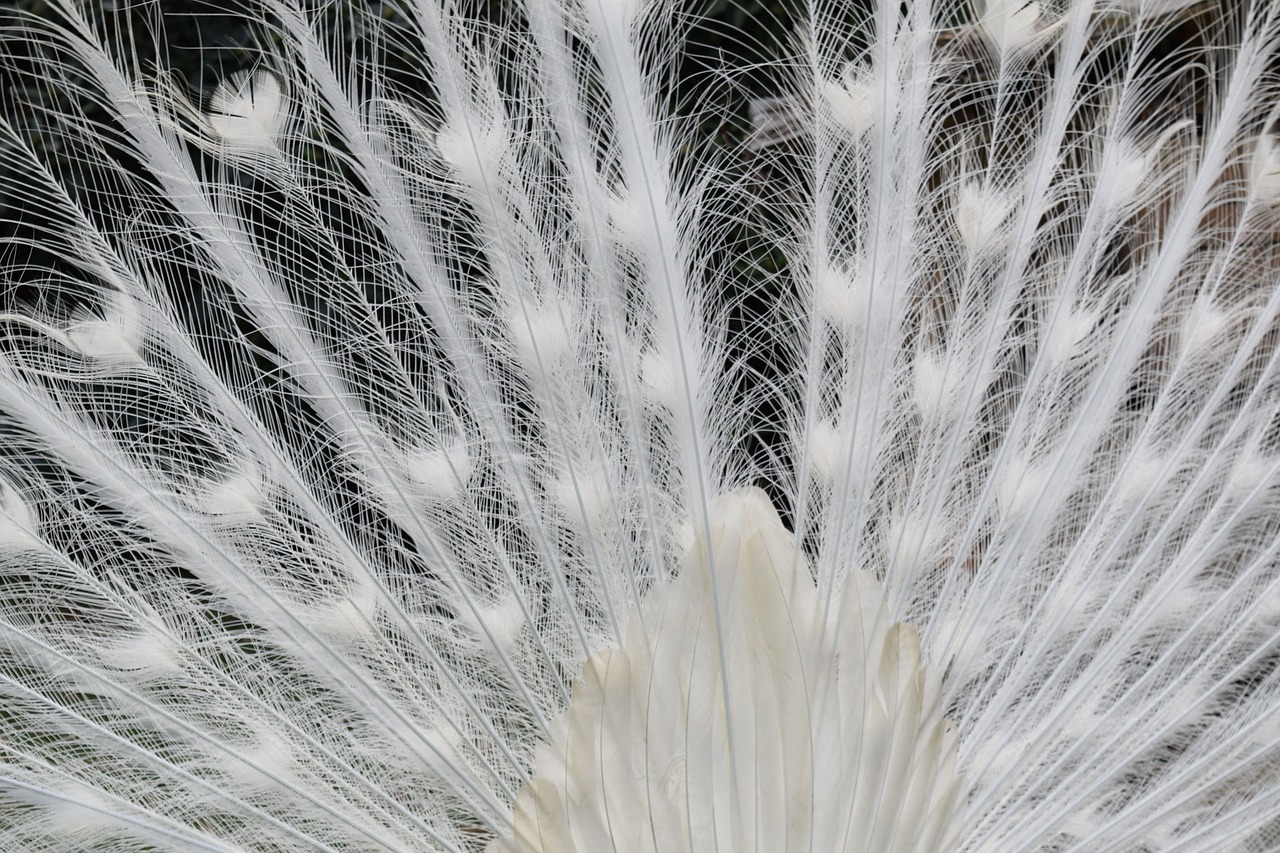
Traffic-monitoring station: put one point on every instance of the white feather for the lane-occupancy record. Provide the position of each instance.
(475, 457)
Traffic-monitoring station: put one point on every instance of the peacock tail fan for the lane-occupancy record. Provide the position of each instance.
(467, 428)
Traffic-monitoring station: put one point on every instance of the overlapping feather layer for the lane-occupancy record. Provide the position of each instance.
(736, 712)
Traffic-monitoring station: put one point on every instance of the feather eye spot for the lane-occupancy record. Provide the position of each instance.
(247, 113)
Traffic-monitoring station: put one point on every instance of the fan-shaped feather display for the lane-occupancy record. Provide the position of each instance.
(475, 454)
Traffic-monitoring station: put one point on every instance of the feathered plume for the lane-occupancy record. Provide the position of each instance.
(435, 439)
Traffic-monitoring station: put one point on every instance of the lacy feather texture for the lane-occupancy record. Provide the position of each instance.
(459, 431)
